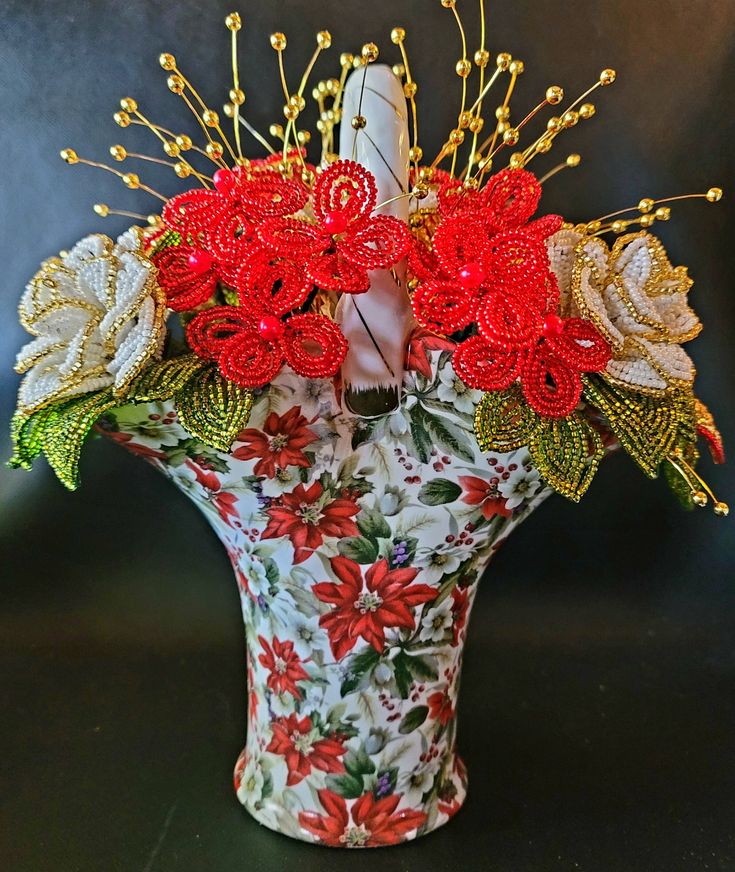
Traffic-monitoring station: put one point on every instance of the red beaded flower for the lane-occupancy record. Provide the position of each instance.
(549, 370)
(250, 347)
(216, 228)
(346, 239)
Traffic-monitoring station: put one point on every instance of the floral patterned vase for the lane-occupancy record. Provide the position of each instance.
(357, 546)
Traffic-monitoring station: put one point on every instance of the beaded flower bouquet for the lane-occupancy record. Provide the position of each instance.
(366, 371)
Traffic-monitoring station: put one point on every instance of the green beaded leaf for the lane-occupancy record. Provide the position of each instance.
(648, 427)
(167, 239)
(213, 409)
(567, 452)
(59, 431)
(504, 421)
(163, 379)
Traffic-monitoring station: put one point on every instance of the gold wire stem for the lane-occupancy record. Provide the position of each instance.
(156, 160)
(704, 196)
(253, 132)
(336, 105)
(463, 37)
(286, 96)
(411, 103)
(205, 108)
(302, 85)
(359, 112)
(139, 186)
(688, 473)
(558, 168)
(484, 92)
(393, 200)
(236, 87)
(506, 102)
(158, 131)
(103, 211)
(218, 161)
(478, 103)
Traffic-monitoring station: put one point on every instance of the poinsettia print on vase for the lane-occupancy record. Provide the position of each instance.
(357, 546)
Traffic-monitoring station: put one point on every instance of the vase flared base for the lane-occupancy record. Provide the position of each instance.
(343, 826)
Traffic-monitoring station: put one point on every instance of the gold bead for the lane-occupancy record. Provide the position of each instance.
(502, 113)
(122, 119)
(456, 137)
(171, 148)
(714, 195)
(297, 101)
(464, 120)
(210, 118)
(237, 96)
(358, 122)
(516, 160)
(399, 70)
(619, 226)
(463, 68)
(167, 61)
(176, 84)
(593, 226)
(503, 60)
(127, 104)
(426, 174)
(321, 126)
(184, 142)
(369, 52)
(182, 170)
(663, 213)
(102, 209)
(476, 125)
(570, 118)
(448, 4)
(471, 184)
(511, 136)
(308, 177)
(358, 62)
(346, 59)
(214, 150)
(397, 35)
(304, 137)
(587, 110)
(607, 77)
(699, 498)
(276, 130)
(118, 152)
(482, 57)
(420, 191)
(412, 284)
(229, 110)
(415, 153)
(410, 89)
(502, 126)
(544, 146)
(645, 205)
(486, 164)
(517, 67)
(573, 160)
(646, 220)
(278, 41)
(131, 180)
(154, 220)
(554, 124)
(324, 39)
(416, 219)
(332, 86)
(721, 509)
(233, 21)
(69, 155)
(290, 112)
(554, 94)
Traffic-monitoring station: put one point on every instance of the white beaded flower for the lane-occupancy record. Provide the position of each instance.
(636, 299)
(97, 315)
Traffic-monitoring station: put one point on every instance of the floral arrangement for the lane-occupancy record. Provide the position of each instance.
(568, 340)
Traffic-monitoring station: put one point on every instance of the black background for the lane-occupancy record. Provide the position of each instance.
(597, 709)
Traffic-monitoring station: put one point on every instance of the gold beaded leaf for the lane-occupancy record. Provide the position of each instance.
(648, 427)
(213, 409)
(163, 380)
(504, 421)
(567, 452)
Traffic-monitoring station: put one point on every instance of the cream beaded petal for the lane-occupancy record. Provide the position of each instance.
(97, 316)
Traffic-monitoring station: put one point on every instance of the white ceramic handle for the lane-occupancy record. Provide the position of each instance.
(381, 147)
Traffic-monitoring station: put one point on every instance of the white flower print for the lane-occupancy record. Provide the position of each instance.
(521, 484)
(437, 622)
(306, 634)
(451, 389)
(252, 781)
(440, 561)
(283, 481)
(417, 782)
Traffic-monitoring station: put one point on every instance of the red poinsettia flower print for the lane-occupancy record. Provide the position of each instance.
(278, 444)
(307, 515)
(251, 344)
(304, 748)
(460, 612)
(225, 503)
(420, 345)
(365, 608)
(440, 707)
(369, 823)
(479, 492)
(284, 665)
(346, 239)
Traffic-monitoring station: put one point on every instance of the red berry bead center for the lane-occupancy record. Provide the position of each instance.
(200, 261)
(270, 328)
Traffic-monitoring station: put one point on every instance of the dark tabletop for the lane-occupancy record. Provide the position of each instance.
(597, 708)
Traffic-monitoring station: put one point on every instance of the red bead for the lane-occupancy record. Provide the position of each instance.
(336, 222)
(553, 325)
(200, 261)
(224, 181)
(471, 275)
(270, 327)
